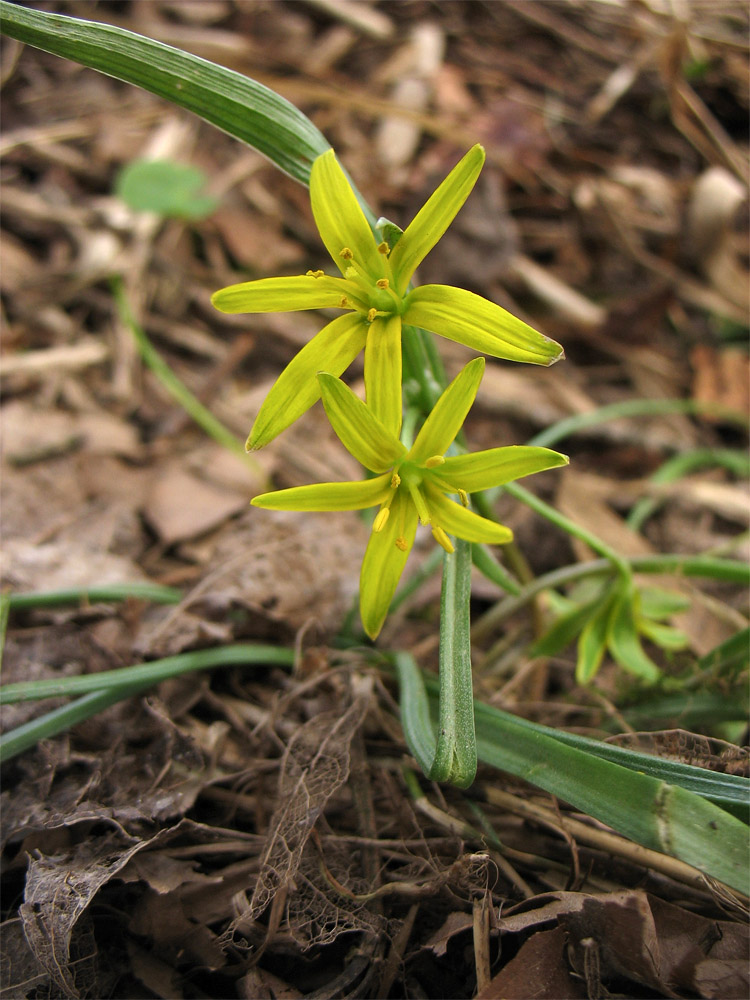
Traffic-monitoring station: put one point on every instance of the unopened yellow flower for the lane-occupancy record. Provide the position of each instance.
(373, 290)
(410, 485)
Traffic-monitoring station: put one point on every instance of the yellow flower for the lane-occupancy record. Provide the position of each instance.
(410, 485)
(373, 291)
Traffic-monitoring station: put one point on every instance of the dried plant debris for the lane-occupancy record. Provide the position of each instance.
(249, 832)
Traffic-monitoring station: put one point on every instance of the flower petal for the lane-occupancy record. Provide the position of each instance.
(447, 416)
(302, 291)
(327, 496)
(356, 426)
(460, 315)
(383, 371)
(432, 220)
(384, 562)
(296, 389)
(339, 218)
(482, 470)
(462, 522)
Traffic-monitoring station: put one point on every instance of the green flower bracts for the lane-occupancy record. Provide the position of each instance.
(410, 485)
(373, 289)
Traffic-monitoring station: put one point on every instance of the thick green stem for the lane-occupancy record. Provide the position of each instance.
(456, 752)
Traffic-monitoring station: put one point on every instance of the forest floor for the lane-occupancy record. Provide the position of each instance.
(248, 832)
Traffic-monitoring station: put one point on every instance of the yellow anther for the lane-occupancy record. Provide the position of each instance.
(346, 254)
(382, 283)
(433, 461)
(380, 519)
(371, 314)
(441, 538)
(344, 303)
(384, 248)
(350, 273)
(315, 274)
(395, 481)
(401, 543)
(463, 497)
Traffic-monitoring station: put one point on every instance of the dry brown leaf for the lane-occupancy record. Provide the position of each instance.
(316, 764)
(180, 506)
(721, 377)
(538, 972)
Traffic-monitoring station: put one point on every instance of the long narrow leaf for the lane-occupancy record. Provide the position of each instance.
(651, 812)
(233, 102)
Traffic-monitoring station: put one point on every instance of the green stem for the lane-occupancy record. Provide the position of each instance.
(417, 366)
(681, 465)
(632, 408)
(177, 389)
(561, 521)
(456, 752)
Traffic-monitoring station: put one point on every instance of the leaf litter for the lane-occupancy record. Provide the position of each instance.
(248, 833)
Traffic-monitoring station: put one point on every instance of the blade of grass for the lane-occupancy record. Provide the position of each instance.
(233, 102)
(727, 790)
(153, 672)
(108, 687)
(94, 595)
(24, 737)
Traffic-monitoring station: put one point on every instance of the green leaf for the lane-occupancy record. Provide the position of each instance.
(592, 643)
(165, 188)
(432, 220)
(728, 655)
(357, 427)
(624, 643)
(564, 630)
(663, 635)
(657, 603)
(466, 318)
(390, 232)
(233, 102)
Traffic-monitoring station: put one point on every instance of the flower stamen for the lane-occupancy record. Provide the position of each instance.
(421, 505)
(441, 538)
(381, 518)
(434, 461)
(315, 274)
